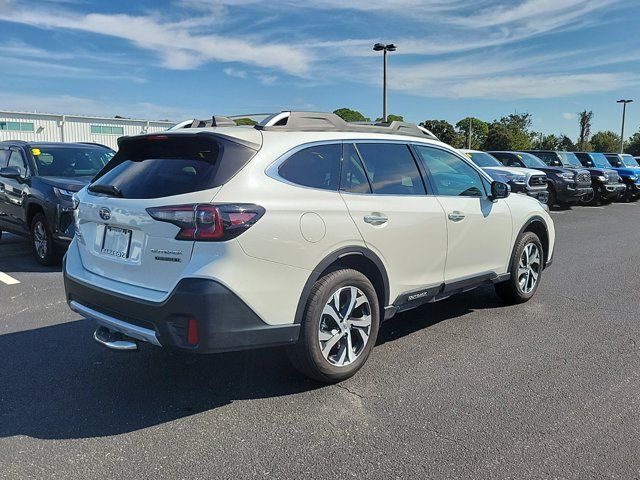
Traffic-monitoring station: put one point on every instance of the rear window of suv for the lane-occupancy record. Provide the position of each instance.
(166, 165)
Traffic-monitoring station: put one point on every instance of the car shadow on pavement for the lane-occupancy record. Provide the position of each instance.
(57, 383)
(431, 314)
(16, 255)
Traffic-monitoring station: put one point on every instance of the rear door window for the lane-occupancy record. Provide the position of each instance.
(158, 166)
(4, 157)
(354, 178)
(314, 167)
(391, 169)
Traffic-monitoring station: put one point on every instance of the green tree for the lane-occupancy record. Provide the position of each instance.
(584, 120)
(606, 142)
(349, 115)
(633, 144)
(479, 130)
(443, 130)
(245, 121)
(510, 133)
(566, 144)
(392, 118)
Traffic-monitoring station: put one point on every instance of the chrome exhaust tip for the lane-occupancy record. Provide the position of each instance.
(115, 340)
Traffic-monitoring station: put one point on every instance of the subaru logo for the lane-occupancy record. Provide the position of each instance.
(105, 213)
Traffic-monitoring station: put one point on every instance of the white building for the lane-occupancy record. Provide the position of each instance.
(46, 127)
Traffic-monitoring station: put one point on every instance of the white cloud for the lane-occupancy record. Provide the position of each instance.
(568, 116)
(234, 72)
(177, 46)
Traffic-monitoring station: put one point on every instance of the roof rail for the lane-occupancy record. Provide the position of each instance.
(320, 121)
(214, 121)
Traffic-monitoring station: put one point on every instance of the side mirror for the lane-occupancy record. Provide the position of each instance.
(512, 163)
(11, 172)
(499, 190)
(557, 163)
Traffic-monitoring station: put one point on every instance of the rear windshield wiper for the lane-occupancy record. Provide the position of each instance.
(110, 190)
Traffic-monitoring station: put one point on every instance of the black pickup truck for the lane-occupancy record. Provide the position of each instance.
(37, 182)
(606, 183)
(566, 186)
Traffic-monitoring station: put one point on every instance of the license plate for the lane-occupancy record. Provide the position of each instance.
(116, 242)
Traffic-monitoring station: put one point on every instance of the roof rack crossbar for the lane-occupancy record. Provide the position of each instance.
(320, 121)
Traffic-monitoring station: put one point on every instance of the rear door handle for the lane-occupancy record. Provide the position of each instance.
(456, 216)
(376, 219)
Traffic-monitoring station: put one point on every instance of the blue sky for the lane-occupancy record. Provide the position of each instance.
(192, 58)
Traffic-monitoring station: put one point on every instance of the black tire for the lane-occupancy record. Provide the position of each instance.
(553, 197)
(42, 241)
(511, 291)
(596, 199)
(306, 355)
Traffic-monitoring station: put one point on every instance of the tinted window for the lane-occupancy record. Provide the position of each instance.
(391, 169)
(164, 165)
(70, 161)
(315, 167)
(547, 157)
(4, 156)
(451, 175)
(614, 160)
(17, 160)
(354, 179)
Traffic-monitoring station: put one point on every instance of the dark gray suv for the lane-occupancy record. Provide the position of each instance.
(37, 182)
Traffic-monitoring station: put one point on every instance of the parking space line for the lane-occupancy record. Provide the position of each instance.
(4, 278)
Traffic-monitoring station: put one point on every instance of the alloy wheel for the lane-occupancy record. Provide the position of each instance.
(40, 240)
(529, 268)
(345, 326)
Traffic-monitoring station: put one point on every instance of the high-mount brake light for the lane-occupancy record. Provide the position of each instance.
(206, 222)
(157, 137)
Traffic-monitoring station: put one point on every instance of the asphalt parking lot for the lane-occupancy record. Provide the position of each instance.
(463, 388)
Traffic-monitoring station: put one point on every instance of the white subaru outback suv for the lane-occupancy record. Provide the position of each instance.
(304, 231)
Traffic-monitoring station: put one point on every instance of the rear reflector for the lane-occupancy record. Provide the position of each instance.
(193, 338)
(207, 222)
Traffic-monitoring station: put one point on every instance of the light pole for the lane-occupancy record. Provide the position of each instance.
(381, 47)
(624, 113)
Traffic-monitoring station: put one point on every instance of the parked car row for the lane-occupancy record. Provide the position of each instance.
(304, 232)
(563, 178)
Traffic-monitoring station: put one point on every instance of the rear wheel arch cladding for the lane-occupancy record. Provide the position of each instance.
(357, 258)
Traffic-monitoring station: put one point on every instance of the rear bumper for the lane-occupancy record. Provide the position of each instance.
(225, 323)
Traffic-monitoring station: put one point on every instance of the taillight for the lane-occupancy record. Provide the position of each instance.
(193, 336)
(208, 222)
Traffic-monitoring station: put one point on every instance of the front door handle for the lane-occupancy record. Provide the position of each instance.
(376, 219)
(456, 216)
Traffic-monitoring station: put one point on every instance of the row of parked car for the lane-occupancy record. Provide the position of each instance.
(564, 178)
(304, 231)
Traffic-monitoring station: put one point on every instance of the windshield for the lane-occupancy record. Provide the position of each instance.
(569, 158)
(629, 161)
(70, 161)
(483, 159)
(531, 161)
(599, 160)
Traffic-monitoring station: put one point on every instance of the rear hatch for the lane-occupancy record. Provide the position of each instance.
(119, 239)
